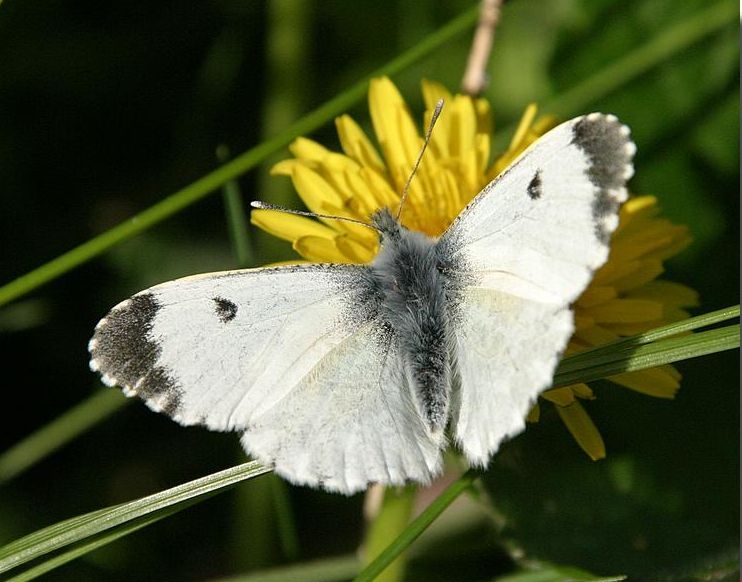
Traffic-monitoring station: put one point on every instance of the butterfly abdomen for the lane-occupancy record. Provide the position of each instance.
(414, 306)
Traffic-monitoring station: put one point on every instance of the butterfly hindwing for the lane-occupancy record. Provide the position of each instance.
(351, 422)
(528, 245)
(501, 377)
(293, 356)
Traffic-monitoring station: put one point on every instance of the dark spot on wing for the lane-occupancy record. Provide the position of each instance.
(534, 187)
(226, 310)
(609, 149)
(125, 353)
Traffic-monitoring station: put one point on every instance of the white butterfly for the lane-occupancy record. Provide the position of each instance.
(346, 375)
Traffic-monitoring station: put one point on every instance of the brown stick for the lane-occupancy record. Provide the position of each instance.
(475, 76)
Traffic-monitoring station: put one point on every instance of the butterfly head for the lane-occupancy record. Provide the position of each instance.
(389, 228)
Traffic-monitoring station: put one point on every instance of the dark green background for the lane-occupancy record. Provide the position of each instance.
(106, 108)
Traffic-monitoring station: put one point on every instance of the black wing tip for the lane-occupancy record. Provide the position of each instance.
(123, 352)
(608, 146)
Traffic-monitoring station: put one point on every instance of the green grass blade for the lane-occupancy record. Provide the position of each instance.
(285, 519)
(686, 325)
(81, 549)
(59, 432)
(551, 573)
(593, 355)
(417, 527)
(229, 171)
(105, 525)
(650, 355)
(391, 519)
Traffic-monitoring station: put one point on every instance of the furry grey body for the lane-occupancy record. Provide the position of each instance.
(415, 301)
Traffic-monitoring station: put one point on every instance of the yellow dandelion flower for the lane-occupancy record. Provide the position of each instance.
(625, 296)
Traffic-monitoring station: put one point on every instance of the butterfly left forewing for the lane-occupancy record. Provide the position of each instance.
(522, 251)
(218, 348)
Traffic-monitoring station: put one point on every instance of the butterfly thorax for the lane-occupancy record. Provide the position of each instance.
(413, 305)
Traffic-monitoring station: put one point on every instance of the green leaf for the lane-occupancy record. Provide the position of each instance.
(236, 216)
(337, 569)
(392, 518)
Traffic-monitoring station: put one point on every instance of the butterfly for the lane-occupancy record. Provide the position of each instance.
(341, 376)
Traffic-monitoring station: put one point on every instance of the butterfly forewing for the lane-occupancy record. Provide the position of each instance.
(528, 245)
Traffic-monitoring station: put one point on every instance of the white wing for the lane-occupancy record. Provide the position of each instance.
(350, 423)
(528, 245)
(293, 356)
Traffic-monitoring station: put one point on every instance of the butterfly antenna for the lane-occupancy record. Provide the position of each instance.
(268, 206)
(428, 134)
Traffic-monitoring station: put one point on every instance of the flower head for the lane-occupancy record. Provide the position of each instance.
(625, 296)
(355, 184)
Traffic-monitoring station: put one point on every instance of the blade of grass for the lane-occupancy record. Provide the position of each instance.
(651, 355)
(609, 350)
(553, 573)
(239, 165)
(105, 525)
(336, 569)
(285, 519)
(391, 519)
(78, 550)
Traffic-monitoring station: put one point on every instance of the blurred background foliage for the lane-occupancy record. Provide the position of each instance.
(106, 108)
